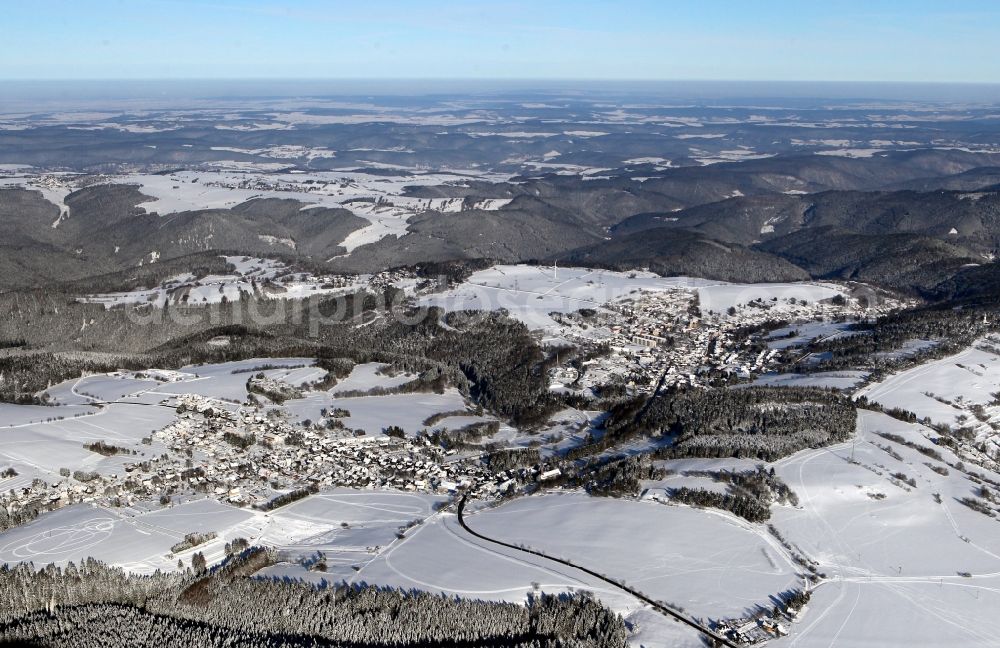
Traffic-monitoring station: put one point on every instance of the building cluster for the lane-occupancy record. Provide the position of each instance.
(261, 183)
(759, 628)
(101, 488)
(660, 336)
(402, 278)
(248, 455)
(664, 336)
(50, 182)
(243, 456)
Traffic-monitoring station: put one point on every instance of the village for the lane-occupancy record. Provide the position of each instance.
(249, 453)
(664, 338)
(255, 456)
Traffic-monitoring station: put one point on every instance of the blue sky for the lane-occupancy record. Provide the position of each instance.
(870, 40)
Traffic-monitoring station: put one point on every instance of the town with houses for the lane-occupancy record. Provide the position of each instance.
(663, 339)
(251, 456)
(255, 455)
(510, 355)
(248, 454)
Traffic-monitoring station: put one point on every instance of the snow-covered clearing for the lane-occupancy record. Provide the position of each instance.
(227, 381)
(663, 162)
(371, 375)
(564, 169)
(891, 553)
(718, 297)
(348, 526)
(799, 334)
(439, 556)
(511, 134)
(907, 349)
(827, 379)
(379, 199)
(43, 448)
(530, 293)
(899, 612)
(375, 413)
(711, 565)
(947, 390)
(852, 153)
(18, 415)
(81, 531)
(251, 276)
(734, 155)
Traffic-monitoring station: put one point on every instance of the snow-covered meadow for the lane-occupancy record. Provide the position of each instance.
(382, 200)
(250, 275)
(894, 557)
(350, 527)
(708, 564)
(530, 293)
(949, 390)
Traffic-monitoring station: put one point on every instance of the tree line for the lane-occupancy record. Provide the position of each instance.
(92, 604)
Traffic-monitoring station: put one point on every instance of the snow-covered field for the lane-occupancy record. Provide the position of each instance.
(375, 413)
(852, 153)
(251, 275)
(379, 199)
(42, 448)
(891, 553)
(709, 564)
(720, 296)
(348, 526)
(828, 379)
(80, 531)
(531, 293)
(368, 376)
(439, 556)
(947, 390)
(801, 333)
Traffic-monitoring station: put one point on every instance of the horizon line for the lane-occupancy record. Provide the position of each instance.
(492, 79)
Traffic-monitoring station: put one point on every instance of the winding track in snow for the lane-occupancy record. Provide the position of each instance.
(659, 607)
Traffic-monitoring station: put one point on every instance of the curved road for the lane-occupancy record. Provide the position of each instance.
(659, 607)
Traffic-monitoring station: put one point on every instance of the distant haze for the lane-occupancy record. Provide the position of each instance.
(64, 94)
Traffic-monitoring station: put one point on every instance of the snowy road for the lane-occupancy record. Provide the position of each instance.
(663, 609)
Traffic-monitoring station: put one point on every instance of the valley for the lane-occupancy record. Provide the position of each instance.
(653, 371)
